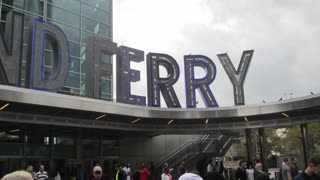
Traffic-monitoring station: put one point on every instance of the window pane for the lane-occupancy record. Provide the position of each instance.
(102, 4)
(86, 35)
(83, 66)
(63, 16)
(71, 33)
(73, 80)
(74, 64)
(35, 7)
(74, 49)
(95, 27)
(105, 83)
(18, 3)
(106, 58)
(73, 5)
(95, 13)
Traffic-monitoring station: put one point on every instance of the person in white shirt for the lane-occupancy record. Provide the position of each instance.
(250, 171)
(18, 175)
(41, 174)
(209, 167)
(127, 170)
(166, 175)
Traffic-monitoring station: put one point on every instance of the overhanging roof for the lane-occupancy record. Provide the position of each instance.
(120, 116)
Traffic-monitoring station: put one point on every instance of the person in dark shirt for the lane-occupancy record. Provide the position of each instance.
(241, 173)
(259, 174)
(312, 170)
(293, 167)
(213, 176)
(120, 174)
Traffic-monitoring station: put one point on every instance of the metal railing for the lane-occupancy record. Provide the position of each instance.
(179, 150)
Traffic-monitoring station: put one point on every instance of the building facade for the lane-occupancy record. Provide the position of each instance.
(79, 20)
(81, 126)
(23, 144)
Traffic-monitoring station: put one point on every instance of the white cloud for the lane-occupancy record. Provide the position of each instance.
(284, 35)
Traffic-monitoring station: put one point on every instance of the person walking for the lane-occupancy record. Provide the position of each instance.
(250, 171)
(120, 174)
(18, 175)
(41, 174)
(166, 175)
(259, 174)
(285, 170)
(312, 169)
(293, 167)
(127, 170)
(144, 172)
(181, 169)
(29, 169)
(241, 173)
(209, 167)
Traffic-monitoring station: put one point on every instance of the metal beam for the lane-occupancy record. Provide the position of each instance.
(305, 143)
(249, 145)
(263, 154)
(152, 128)
(34, 97)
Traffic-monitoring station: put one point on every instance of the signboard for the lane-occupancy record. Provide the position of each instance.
(11, 54)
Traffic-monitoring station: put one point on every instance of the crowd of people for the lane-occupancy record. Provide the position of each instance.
(245, 171)
(288, 170)
(183, 174)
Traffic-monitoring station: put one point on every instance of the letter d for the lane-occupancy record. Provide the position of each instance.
(43, 31)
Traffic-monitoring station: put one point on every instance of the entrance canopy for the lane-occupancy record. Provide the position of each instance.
(38, 107)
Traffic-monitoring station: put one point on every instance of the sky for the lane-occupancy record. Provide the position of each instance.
(283, 34)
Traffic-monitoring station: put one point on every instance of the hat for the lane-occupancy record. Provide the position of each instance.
(190, 176)
(97, 168)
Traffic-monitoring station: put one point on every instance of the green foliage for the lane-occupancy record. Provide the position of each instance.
(286, 141)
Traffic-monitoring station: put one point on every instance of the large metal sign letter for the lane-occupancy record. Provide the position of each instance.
(125, 75)
(95, 68)
(201, 84)
(11, 49)
(43, 31)
(237, 77)
(155, 83)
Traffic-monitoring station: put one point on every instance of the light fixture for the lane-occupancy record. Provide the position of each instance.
(100, 117)
(4, 106)
(284, 114)
(170, 121)
(16, 130)
(246, 119)
(207, 120)
(134, 121)
(2, 132)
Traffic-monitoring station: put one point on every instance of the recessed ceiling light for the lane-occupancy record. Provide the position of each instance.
(4, 106)
(246, 119)
(134, 121)
(100, 117)
(286, 115)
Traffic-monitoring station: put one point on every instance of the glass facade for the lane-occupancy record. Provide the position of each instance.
(56, 147)
(79, 19)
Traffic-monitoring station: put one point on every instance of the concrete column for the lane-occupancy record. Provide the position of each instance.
(78, 145)
(101, 146)
(51, 143)
(305, 143)
(263, 153)
(23, 140)
(249, 145)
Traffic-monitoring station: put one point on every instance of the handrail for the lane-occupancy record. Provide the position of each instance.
(185, 147)
(181, 149)
(178, 150)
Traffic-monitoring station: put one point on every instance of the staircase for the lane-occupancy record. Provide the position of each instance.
(214, 145)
